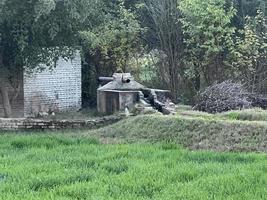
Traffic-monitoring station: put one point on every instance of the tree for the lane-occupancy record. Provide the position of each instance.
(250, 53)
(247, 8)
(109, 45)
(165, 34)
(208, 36)
(37, 31)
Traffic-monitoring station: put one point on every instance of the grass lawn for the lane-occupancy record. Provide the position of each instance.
(59, 167)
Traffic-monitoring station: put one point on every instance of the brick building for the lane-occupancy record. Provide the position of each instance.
(54, 90)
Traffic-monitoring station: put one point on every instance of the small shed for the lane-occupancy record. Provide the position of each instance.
(120, 93)
(48, 90)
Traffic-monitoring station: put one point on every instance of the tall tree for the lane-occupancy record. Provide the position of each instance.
(109, 45)
(250, 53)
(209, 34)
(162, 20)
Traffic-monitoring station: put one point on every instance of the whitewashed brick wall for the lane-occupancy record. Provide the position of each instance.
(54, 90)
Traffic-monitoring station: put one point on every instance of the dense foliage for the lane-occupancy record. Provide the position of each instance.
(109, 45)
(208, 35)
(250, 53)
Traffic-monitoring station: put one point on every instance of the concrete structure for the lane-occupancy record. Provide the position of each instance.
(51, 90)
(122, 92)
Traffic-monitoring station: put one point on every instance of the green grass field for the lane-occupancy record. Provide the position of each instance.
(46, 166)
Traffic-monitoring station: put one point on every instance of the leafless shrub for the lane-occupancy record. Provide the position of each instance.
(223, 97)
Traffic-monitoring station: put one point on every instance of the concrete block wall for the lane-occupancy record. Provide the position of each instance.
(54, 90)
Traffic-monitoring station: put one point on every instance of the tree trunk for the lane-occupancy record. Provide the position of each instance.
(5, 100)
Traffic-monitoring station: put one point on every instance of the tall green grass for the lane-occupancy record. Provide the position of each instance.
(197, 133)
(256, 114)
(66, 167)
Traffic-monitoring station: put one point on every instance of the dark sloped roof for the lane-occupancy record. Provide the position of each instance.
(114, 85)
(118, 84)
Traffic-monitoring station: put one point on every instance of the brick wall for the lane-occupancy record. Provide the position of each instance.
(54, 90)
(42, 124)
